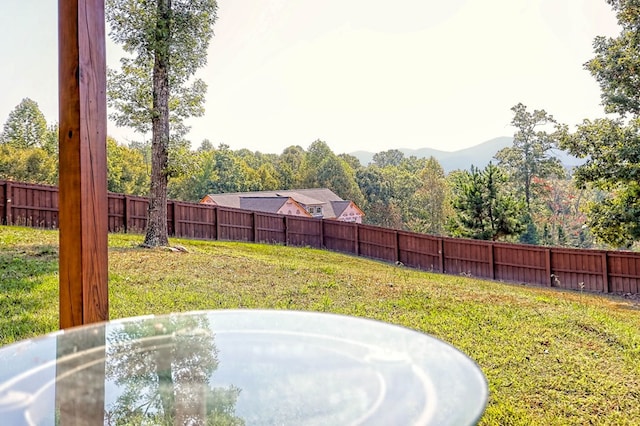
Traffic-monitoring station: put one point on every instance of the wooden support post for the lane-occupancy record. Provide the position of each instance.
(216, 217)
(492, 265)
(8, 203)
(356, 239)
(254, 219)
(286, 231)
(441, 254)
(125, 219)
(83, 166)
(175, 208)
(550, 279)
(605, 274)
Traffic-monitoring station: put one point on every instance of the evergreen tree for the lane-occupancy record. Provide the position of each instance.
(483, 208)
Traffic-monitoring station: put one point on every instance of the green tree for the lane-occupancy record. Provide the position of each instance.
(126, 170)
(392, 157)
(213, 172)
(289, 165)
(321, 168)
(483, 208)
(429, 208)
(530, 156)
(611, 146)
(378, 203)
(26, 126)
(33, 165)
(155, 90)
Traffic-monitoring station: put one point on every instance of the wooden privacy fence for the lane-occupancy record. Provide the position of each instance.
(577, 269)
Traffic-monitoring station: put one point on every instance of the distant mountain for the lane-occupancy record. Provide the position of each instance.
(478, 155)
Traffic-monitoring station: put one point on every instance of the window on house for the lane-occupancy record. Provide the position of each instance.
(319, 210)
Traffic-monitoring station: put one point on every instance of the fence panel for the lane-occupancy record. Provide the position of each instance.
(419, 251)
(235, 225)
(116, 212)
(34, 205)
(469, 257)
(520, 263)
(302, 231)
(624, 272)
(270, 228)
(3, 203)
(378, 243)
(4, 214)
(340, 236)
(578, 269)
(136, 209)
(591, 270)
(193, 220)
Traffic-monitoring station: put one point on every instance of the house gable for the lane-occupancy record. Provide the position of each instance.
(347, 211)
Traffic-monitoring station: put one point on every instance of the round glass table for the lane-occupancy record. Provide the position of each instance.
(239, 367)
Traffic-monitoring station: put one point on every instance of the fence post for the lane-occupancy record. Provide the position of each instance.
(216, 217)
(356, 240)
(606, 286)
(548, 267)
(441, 253)
(174, 218)
(286, 230)
(7, 203)
(125, 218)
(397, 243)
(321, 233)
(254, 218)
(492, 265)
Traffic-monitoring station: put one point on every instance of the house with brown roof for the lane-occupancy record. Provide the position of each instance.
(318, 202)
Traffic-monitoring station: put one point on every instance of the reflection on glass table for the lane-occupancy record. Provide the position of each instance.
(239, 367)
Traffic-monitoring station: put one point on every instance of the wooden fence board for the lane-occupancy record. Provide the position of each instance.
(235, 225)
(520, 263)
(466, 257)
(340, 236)
(624, 272)
(419, 251)
(578, 269)
(378, 243)
(304, 232)
(270, 228)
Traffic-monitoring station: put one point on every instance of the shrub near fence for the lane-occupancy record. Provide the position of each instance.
(591, 270)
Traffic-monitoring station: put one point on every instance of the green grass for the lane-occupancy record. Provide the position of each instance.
(550, 357)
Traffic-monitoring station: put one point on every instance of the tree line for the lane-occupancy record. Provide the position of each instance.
(519, 198)
(525, 195)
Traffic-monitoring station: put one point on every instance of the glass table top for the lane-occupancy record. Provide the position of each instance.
(239, 367)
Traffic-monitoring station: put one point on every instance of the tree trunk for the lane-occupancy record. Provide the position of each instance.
(157, 232)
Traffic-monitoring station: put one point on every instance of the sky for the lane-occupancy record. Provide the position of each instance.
(357, 74)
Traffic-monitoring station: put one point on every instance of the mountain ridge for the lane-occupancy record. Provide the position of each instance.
(478, 155)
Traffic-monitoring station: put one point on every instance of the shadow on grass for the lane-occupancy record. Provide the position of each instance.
(28, 284)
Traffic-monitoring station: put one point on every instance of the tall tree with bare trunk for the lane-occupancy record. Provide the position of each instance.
(155, 89)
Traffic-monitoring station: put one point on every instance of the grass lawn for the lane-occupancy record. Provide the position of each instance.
(550, 357)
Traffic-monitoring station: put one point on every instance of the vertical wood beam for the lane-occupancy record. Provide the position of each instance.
(492, 263)
(8, 201)
(83, 170)
(606, 286)
(548, 271)
(286, 231)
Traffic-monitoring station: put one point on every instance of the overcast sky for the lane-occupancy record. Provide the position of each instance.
(357, 74)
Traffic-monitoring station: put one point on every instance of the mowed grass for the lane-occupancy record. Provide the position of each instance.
(550, 357)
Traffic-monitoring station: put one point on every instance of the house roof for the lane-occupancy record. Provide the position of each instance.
(271, 201)
(263, 204)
